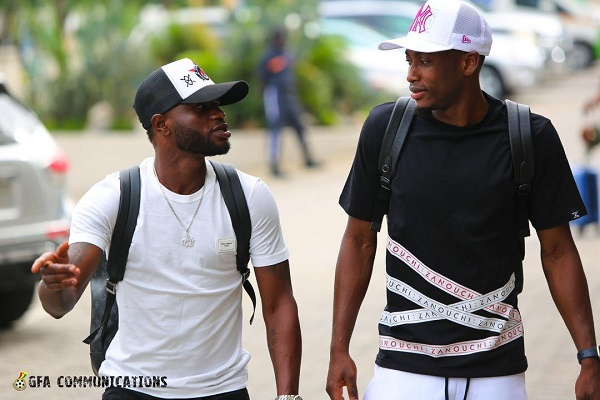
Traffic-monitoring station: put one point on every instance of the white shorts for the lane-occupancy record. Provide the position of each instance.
(389, 384)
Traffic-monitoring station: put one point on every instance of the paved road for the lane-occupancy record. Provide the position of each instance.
(313, 224)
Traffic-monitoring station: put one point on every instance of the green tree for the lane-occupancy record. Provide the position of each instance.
(80, 52)
(75, 53)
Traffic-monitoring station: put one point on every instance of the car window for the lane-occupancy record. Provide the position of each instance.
(389, 25)
(17, 123)
(356, 34)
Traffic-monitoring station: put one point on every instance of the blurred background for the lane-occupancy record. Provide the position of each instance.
(76, 63)
(71, 60)
(68, 73)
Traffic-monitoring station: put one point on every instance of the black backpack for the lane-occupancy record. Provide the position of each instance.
(105, 315)
(521, 145)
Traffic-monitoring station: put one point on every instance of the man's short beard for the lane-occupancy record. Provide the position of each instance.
(192, 141)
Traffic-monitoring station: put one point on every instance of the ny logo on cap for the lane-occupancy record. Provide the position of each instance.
(199, 73)
(420, 22)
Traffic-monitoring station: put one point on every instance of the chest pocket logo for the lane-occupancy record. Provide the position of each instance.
(226, 245)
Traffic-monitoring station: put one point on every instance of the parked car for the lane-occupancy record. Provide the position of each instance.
(34, 205)
(381, 71)
(516, 59)
(582, 23)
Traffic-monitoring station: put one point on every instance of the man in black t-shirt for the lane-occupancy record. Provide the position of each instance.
(451, 327)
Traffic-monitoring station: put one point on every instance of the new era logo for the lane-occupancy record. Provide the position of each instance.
(465, 39)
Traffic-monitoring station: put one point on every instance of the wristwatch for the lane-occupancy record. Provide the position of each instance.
(591, 352)
(288, 397)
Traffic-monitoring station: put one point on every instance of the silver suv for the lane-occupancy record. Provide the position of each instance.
(34, 204)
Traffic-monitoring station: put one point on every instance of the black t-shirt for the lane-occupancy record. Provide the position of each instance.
(453, 243)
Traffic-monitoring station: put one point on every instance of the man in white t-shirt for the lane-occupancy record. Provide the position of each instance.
(180, 312)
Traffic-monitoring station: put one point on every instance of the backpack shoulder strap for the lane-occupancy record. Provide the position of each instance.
(521, 144)
(235, 200)
(129, 206)
(391, 146)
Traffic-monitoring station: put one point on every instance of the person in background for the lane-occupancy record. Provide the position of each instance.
(180, 301)
(281, 103)
(591, 129)
(451, 328)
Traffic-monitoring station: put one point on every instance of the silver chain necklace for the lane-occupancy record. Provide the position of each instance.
(188, 240)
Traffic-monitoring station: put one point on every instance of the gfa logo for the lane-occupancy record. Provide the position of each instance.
(20, 384)
(420, 22)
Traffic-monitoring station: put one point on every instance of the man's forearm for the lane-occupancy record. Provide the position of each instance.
(285, 346)
(57, 303)
(568, 286)
(353, 274)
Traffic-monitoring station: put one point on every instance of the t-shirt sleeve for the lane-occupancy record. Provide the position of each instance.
(555, 199)
(267, 246)
(360, 191)
(95, 214)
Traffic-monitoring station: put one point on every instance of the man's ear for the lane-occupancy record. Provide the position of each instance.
(472, 63)
(159, 124)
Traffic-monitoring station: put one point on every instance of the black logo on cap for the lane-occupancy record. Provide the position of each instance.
(188, 80)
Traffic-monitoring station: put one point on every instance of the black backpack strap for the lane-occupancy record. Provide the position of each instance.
(393, 140)
(129, 206)
(235, 200)
(521, 143)
(521, 146)
(124, 228)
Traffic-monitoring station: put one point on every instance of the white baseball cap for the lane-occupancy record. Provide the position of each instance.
(445, 25)
(182, 81)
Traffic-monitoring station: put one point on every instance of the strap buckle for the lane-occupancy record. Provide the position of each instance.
(524, 189)
(245, 275)
(385, 183)
(111, 287)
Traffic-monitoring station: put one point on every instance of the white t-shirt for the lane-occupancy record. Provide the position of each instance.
(180, 312)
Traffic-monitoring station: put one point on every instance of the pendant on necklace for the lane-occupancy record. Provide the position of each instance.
(188, 241)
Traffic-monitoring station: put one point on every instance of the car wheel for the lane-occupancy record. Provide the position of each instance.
(582, 56)
(491, 82)
(14, 303)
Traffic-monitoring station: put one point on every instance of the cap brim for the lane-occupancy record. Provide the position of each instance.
(226, 93)
(412, 43)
